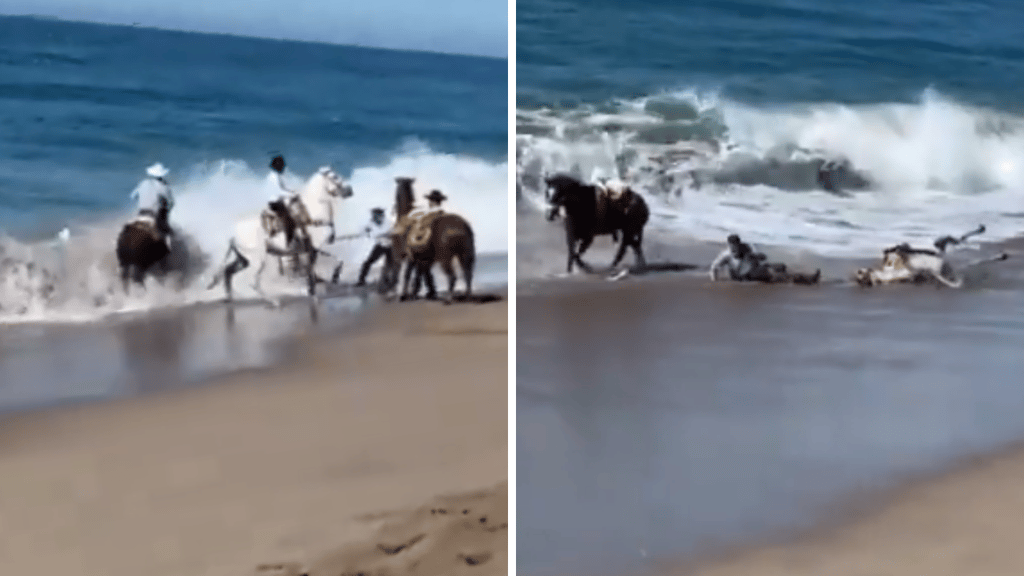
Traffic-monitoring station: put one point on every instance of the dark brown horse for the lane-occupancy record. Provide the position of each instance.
(404, 200)
(141, 245)
(420, 240)
(438, 239)
(589, 213)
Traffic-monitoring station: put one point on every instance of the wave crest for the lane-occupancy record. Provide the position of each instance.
(909, 170)
(77, 281)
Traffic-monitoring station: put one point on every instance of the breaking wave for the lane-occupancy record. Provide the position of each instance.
(711, 166)
(77, 279)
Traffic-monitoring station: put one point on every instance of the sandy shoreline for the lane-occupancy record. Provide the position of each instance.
(286, 464)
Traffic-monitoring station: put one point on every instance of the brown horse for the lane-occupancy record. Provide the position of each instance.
(437, 238)
(419, 240)
(141, 244)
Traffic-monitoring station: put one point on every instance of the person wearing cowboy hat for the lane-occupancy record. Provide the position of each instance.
(380, 230)
(148, 195)
(434, 201)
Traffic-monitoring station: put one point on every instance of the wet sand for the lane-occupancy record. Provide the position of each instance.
(669, 426)
(341, 447)
(51, 364)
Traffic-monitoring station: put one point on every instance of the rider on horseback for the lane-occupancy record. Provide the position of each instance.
(153, 193)
(280, 205)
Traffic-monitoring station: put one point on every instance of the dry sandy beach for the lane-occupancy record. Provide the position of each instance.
(380, 449)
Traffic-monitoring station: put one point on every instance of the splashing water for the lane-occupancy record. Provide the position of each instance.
(76, 279)
(710, 167)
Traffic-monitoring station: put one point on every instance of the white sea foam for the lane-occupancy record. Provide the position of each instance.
(710, 166)
(77, 280)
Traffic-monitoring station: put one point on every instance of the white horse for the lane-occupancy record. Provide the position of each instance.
(903, 264)
(260, 238)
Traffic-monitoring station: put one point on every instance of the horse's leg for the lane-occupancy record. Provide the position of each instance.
(584, 245)
(139, 275)
(126, 271)
(621, 252)
(311, 277)
(638, 248)
(257, 281)
(240, 263)
(466, 262)
(449, 271)
(570, 241)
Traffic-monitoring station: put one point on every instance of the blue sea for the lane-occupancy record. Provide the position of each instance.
(85, 108)
(721, 113)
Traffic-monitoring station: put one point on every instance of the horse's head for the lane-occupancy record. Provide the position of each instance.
(271, 223)
(556, 190)
(863, 277)
(555, 200)
(334, 184)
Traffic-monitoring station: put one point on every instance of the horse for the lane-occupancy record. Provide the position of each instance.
(260, 238)
(434, 238)
(590, 211)
(142, 244)
(902, 264)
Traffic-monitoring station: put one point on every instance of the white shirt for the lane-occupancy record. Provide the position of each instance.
(737, 267)
(380, 233)
(148, 194)
(277, 189)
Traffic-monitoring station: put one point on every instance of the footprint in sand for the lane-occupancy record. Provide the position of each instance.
(460, 534)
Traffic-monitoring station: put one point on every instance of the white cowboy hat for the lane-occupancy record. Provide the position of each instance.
(157, 170)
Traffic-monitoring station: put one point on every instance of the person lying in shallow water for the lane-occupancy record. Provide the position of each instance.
(745, 264)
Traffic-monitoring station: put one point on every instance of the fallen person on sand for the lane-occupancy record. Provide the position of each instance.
(745, 264)
(902, 264)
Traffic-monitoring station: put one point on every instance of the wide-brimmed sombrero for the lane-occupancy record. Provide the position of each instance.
(157, 170)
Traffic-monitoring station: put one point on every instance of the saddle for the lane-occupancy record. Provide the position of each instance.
(271, 222)
(610, 201)
(416, 228)
(273, 218)
(146, 221)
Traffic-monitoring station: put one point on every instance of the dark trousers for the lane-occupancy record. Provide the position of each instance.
(375, 254)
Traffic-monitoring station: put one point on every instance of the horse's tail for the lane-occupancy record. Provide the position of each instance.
(466, 255)
(469, 258)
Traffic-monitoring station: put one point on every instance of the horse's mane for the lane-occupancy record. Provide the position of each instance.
(572, 187)
(316, 179)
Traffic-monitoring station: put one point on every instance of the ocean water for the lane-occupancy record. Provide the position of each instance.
(721, 112)
(85, 108)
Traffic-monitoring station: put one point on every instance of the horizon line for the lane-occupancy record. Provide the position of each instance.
(253, 37)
